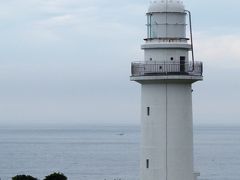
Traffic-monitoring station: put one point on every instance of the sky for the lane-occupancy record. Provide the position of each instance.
(68, 61)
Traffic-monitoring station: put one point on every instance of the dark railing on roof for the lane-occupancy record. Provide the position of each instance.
(153, 68)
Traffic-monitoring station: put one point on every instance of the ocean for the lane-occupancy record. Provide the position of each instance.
(108, 152)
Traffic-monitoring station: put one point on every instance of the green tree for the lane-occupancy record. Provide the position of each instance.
(23, 177)
(56, 176)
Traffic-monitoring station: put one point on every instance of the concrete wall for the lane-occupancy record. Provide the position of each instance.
(167, 137)
(165, 55)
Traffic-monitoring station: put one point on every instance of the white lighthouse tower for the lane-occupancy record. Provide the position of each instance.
(166, 76)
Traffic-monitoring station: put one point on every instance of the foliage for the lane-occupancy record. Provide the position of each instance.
(23, 177)
(56, 176)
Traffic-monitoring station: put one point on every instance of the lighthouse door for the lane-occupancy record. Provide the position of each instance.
(182, 64)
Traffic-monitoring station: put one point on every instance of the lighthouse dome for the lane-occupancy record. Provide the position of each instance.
(166, 6)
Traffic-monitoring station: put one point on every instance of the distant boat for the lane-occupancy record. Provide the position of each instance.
(121, 134)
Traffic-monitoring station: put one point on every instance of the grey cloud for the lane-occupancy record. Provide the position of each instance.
(68, 61)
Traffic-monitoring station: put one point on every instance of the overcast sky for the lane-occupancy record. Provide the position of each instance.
(68, 61)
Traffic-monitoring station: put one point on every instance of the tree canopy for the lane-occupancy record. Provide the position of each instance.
(56, 176)
(23, 177)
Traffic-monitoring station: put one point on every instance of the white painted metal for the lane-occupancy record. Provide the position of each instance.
(167, 19)
(166, 100)
(166, 6)
(165, 24)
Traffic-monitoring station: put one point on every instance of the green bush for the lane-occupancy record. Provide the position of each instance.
(23, 177)
(56, 176)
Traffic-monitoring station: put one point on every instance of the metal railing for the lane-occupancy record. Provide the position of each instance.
(152, 68)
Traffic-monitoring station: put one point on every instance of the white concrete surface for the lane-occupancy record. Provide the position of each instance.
(166, 100)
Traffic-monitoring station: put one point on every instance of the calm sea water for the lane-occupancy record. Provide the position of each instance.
(108, 152)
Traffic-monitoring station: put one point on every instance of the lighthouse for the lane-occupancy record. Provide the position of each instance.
(166, 76)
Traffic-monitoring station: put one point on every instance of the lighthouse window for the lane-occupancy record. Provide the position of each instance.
(148, 111)
(147, 163)
(172, 58)
(149, 25)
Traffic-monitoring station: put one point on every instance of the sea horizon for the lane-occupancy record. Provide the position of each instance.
(107, 151)
(76, 125)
